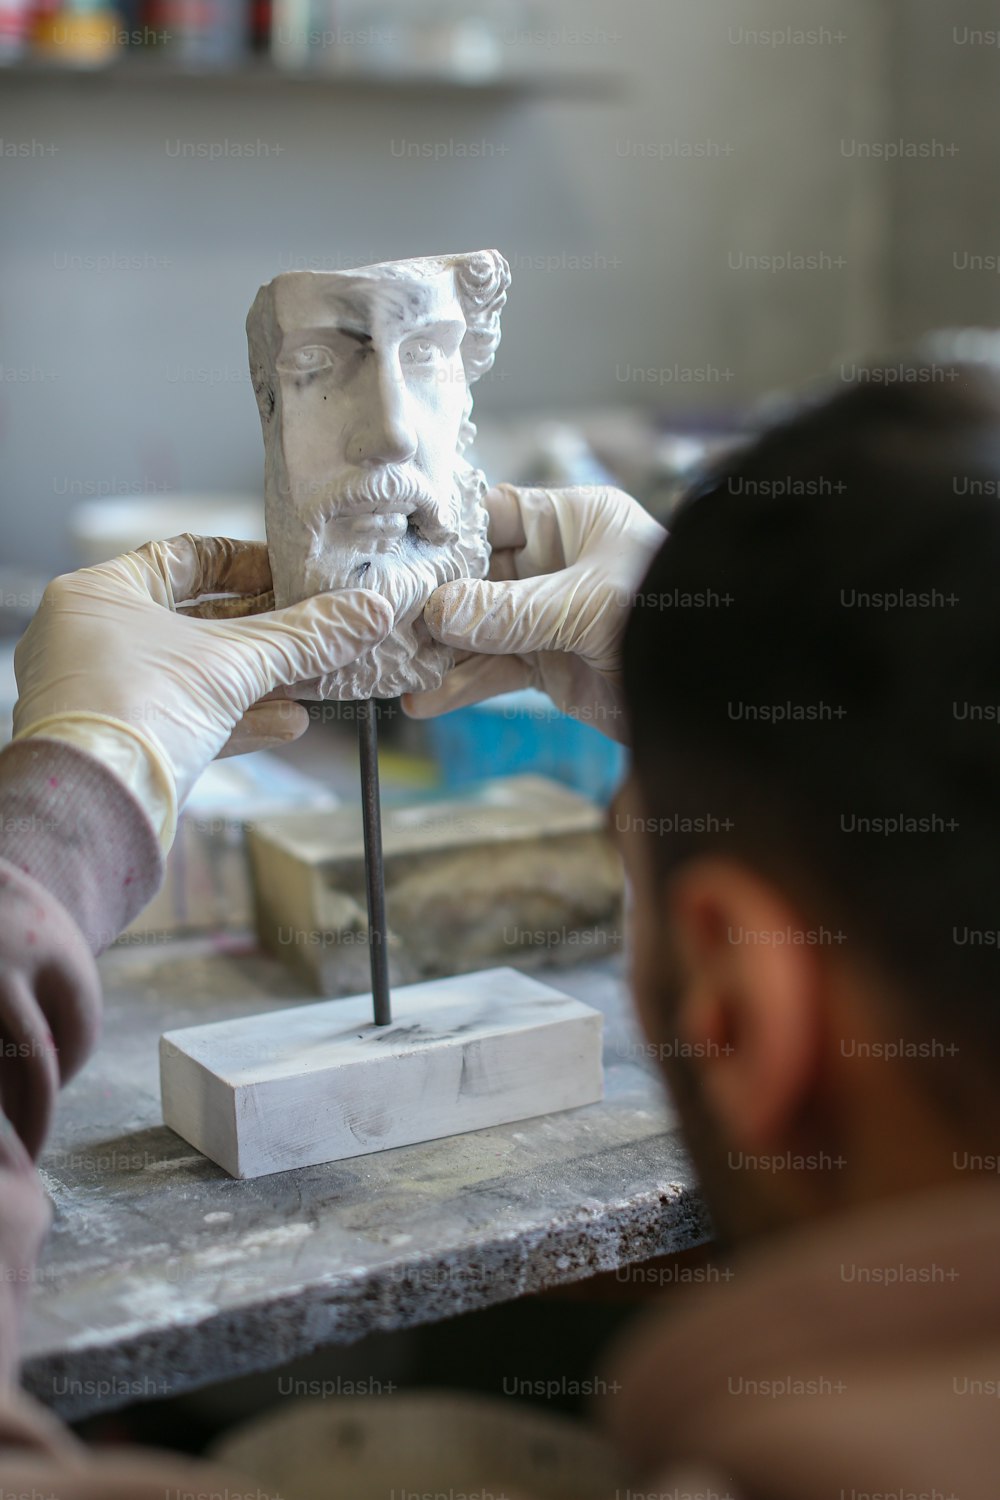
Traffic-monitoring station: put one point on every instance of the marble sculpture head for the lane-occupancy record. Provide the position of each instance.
(363, 381)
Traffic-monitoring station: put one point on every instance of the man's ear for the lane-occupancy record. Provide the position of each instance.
(752, 1004)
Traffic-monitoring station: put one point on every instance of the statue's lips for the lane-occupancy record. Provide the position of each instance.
(380, 529)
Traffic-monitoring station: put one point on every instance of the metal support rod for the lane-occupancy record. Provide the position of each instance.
(371, 812)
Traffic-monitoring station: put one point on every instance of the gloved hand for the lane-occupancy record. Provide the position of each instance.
(563, 572)
(114, 664)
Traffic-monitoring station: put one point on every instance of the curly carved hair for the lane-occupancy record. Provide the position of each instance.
(482, 279)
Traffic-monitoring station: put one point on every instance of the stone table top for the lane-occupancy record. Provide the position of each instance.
(162, 1273)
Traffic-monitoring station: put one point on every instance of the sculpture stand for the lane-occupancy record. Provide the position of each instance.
(371, 808)
(316, 1083)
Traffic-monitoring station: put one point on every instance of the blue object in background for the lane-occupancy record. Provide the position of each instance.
(522, 732)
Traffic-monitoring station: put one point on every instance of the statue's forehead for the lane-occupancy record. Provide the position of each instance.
(383, 299)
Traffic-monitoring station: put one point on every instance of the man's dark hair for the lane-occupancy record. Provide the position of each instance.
(815, 653)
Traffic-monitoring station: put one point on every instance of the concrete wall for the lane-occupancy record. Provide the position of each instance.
(628, 224)
(945, 207)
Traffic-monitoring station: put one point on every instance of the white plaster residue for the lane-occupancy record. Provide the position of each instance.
(247, 1247)
(281, 1234)
(171, 1298)
(151, 1304)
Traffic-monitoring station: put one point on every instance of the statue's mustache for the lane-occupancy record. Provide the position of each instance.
(395, 487)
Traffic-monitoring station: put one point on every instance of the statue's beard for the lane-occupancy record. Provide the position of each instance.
(405, 568)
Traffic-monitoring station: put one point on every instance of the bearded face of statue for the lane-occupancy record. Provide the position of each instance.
(363, 383)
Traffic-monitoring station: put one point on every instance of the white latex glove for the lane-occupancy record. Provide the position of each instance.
(563, 572)
(114, 664)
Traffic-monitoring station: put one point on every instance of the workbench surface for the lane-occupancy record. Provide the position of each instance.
(162, 1273)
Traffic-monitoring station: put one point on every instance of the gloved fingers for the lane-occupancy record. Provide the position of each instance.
(561, 527)
(504, 566)
(292, 690)
(474, 680)
(266, 725)
(309, 639)
(529, 516)
(526, 524)
(230, 606)
(534, 530)
(189, 566)
(506, 528)
(506, 619)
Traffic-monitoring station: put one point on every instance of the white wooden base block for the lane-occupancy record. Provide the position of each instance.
(321, 1082)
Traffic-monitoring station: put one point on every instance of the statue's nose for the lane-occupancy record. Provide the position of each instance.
(386, 432)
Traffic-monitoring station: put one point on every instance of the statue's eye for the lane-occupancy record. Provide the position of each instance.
(310, 358)
(421, 352)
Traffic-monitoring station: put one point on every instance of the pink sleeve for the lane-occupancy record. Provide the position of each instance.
(78, 860)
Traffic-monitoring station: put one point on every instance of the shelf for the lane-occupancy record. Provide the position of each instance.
(144, 72)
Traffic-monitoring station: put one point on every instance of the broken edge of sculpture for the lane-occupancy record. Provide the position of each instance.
(363, 382)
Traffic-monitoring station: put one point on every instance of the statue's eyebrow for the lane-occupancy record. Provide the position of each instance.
(429, 326)
(437, 326)
(300, 337)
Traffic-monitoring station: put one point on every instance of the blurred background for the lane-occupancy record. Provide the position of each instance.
(637, 162)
